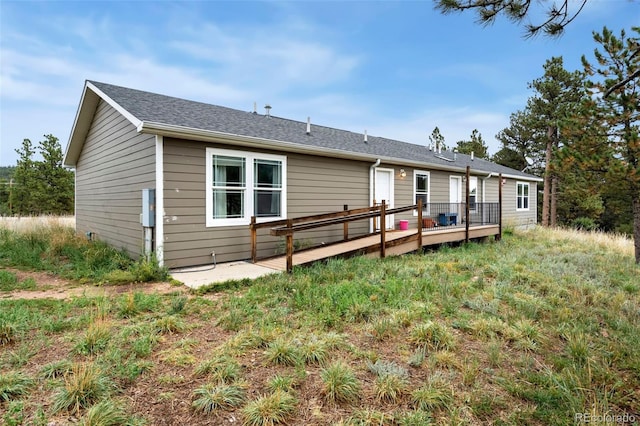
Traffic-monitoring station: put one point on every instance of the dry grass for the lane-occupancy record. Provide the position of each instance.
(31, 223)
(610, 241)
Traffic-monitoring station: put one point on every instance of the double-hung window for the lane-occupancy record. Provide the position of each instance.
(421, 181)
(244, 184)
(473, 193)
(522, 196)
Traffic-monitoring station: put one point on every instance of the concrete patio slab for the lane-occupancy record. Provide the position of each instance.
(198, 276)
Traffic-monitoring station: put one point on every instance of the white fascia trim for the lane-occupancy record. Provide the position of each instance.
(183, 132)
(135, 121)
(75, 123)
(160, 199)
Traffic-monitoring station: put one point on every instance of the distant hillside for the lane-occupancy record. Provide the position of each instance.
(7, 172)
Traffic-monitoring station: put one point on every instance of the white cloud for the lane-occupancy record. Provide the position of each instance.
(454, 123)
(266, 56)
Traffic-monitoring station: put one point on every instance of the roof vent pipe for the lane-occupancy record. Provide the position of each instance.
(255, 107)
(308, 125)
(267, 110)
(365, 137)
(472, 155)
(455, 154)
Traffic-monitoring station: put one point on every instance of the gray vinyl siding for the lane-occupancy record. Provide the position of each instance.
(315, 185)
(512, 217)
(439, 193)
(115, 164)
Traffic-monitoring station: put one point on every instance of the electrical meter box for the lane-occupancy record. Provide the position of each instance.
(148, 208)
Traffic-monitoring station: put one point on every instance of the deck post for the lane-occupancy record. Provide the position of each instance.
(499, 236)
(466, 205)
(345, 226)
(289, 246)
(420, 224)
(383, 228)
(254, 239)
(375, 225)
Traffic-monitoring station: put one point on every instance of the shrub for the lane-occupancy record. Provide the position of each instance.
(7, 333)
(222, 368)
(56, 369)
(105, 413)
(283, 353)
(390, 388)
(340, 383)
(269, 409)
(282, 383)
(169, 324)
(83, 386)
(8, 281)
(314, 350)
(437, 393)
(95, 338)
(584, 224)
(432, 335)
(212, 397)
(14, 385)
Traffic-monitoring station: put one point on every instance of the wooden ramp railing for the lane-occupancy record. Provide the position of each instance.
(288, 227)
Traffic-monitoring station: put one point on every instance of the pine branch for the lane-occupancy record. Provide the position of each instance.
(621, 83)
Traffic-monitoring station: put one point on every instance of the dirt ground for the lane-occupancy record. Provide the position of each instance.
(52, 287)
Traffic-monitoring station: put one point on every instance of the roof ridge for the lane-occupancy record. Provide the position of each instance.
(202, 116)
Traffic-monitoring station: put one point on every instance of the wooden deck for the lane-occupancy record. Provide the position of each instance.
(396, 243)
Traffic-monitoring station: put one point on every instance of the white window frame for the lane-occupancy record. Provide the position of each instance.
(428, 174)
(474, 209)
(250, 187)
(528, 196)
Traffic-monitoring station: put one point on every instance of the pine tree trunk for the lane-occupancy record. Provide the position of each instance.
(547, 178)
(636, 225)
(553, 216)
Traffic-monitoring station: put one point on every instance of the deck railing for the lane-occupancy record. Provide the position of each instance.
(455, 214)
(432, 216)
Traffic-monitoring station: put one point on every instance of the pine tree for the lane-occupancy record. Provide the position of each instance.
(55, 183)
(615, 81)
(437, 140)
(558, 95)
(41, 187)
(24, 181)
(475, 144)
(558, 15)
(521, 145)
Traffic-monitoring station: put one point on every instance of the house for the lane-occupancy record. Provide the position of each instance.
(213, 168)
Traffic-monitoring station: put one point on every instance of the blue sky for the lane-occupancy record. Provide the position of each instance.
(394, 68)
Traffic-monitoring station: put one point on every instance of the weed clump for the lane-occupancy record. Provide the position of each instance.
(340, 383)
(270, 409)
(14, 385)
(432, 335)
(83, 386)
(212, 397)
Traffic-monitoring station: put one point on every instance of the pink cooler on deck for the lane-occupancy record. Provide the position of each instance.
(404, 225)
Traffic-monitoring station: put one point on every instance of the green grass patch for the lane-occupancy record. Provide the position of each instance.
(528, 330)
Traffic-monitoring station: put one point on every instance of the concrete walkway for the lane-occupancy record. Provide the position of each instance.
(202, 275)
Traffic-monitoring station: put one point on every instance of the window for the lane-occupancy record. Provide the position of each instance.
(244, 184)
(473, 192)
(522, 196)
(421, 190)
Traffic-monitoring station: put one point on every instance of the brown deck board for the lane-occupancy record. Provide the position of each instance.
(429, 237)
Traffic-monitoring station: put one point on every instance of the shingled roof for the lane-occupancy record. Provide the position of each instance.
(153, 111)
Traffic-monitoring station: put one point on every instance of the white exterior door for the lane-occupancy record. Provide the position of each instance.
(384, 191)
(455, 194)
